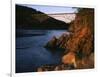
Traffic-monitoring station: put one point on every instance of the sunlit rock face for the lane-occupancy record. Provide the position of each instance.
(66, 17)
(69, 59)
(81, 41)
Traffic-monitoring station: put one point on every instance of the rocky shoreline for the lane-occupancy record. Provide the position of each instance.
(78, 46)
(55, 67)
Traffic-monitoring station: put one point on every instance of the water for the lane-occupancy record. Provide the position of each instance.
(30, 51)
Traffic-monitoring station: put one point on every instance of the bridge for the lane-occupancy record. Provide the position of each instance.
(66, 17)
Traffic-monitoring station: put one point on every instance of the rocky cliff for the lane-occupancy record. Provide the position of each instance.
(79, 43)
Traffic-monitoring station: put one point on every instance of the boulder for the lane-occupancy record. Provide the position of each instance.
(55, 44)
(52, 43)
(69, 59)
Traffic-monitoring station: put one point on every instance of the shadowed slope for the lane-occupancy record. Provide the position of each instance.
(28, 18)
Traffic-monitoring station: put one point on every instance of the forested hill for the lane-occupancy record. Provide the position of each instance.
(29, 18)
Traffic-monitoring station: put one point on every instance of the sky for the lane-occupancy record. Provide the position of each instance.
(52, 9)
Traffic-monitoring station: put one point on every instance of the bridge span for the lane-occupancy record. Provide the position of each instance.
(66, 17)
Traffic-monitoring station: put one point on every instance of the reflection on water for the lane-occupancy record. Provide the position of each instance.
(30, 51)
